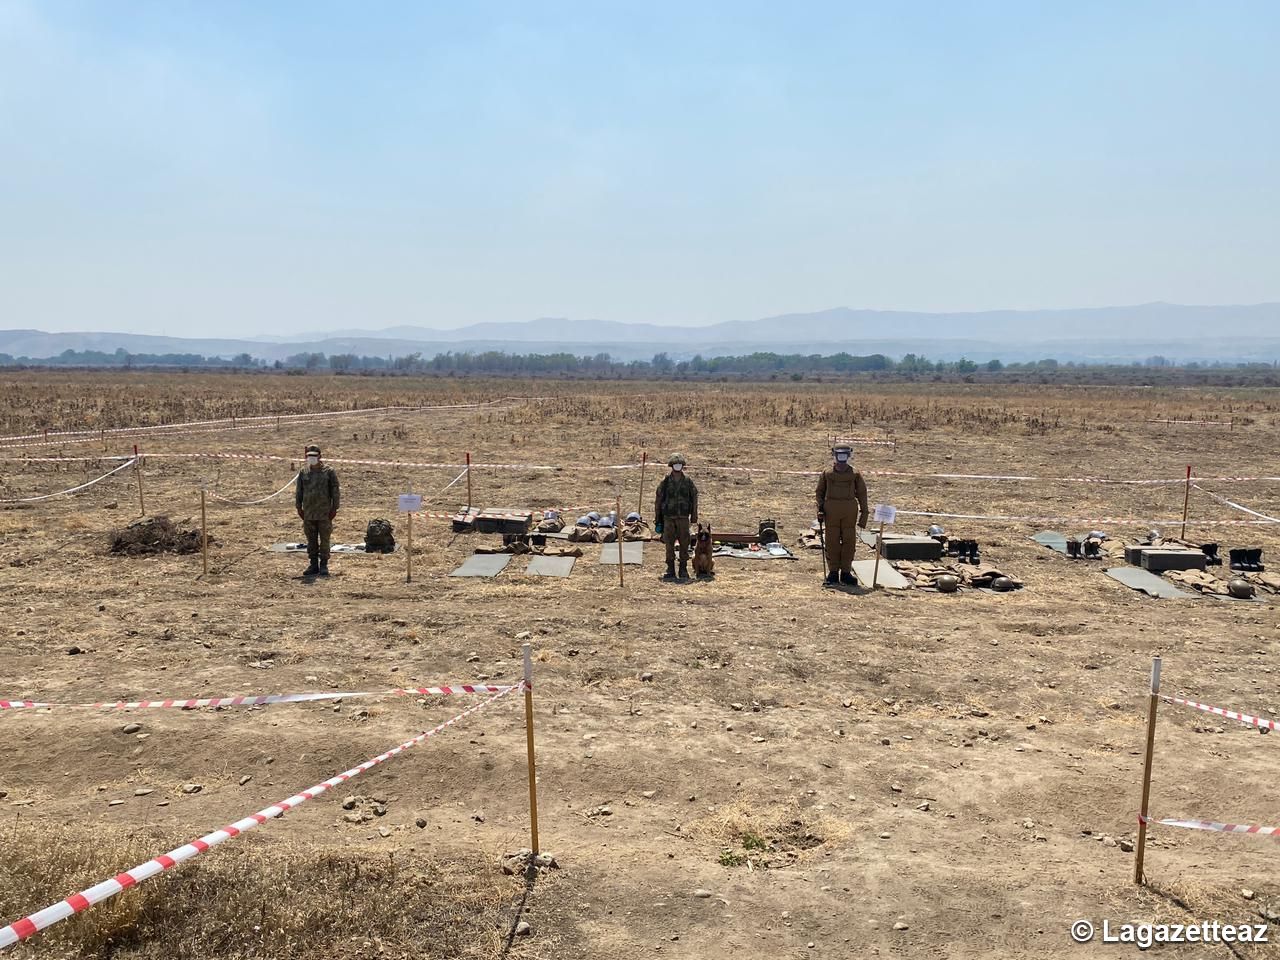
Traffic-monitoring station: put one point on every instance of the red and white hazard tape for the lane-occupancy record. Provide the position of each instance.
(76, 489)
(1260, 722)
(79, 902)
(1235, 506)
(249, 700)
(249, 503)
(1098, 521)
(1217, 827)
(263, 419)
(1216, 423)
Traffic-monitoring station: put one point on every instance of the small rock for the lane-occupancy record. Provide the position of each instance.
(142, 791)
(380, 810)
(421, 823)
(384, 832)
(884, 741)
(1126, 846)
(1109, 842)
(524, 635)
(735, 706)
(1247, 893)
(924, 806)
(349, 803)
(353, 818)
(702, 894)
(895, 787)
(601, 811)
(74, 651)
(846, 703)
(523, 929)
(478, 817)
(131, 728)
(190, 788)
(649, 794)
(646, 677)
(245, 779)
(884, 836)
(114, 803)
(901, 926)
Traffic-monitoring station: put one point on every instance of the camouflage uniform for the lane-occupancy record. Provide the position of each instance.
(317, 499)
(676, 505)
(842, 500)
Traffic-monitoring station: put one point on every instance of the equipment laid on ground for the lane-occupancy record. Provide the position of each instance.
(1240, 588)
(1148, 583)
(1002, 584)
(947, 583)
(768, 532)
(1156, 559)
(1210, 551)
(464, 520)
(895, 546)
(379, 537)
(1248, 559)
(503, 520)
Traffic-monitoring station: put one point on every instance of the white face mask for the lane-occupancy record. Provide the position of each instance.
(842, 458)
(677, 467)
(312, 459)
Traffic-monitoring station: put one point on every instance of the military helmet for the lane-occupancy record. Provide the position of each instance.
(633, 516)
(677, 458)
(312, 448)
(936, 530)
(1003, 584)
(1240, 588)
(947, 583)
(842, 448)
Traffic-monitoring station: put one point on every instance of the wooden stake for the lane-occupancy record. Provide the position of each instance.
(137, 469)
(644, 460)
(875, 571)
(1186, 503)
(408, 577)
(617, 532)
(468, 481)
(204, 533)
(1146, 769)
(528, 736)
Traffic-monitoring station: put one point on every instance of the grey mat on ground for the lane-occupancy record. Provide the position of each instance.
(334, 548)
(1148, 583)
(550, 566)
(772, 551)
(632, 552)
(483, 565)
(1052, 540)
(888, 577)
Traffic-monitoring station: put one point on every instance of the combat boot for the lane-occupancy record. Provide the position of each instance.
(833, 578)
(848, 579)
(671, 571)
(312, 570)
(324, 567)
(684, 571)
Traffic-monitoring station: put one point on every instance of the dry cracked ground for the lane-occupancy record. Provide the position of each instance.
(753, 766)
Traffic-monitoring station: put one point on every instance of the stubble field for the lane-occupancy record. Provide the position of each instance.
(892, 774)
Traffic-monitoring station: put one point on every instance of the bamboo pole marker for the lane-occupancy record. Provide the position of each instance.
(468, 481)
(617, 532)
(875, 571)
(528, 736)
(204, 533)
(1186, 503)
(137, 469)
(1146, 769)
(644, 460)
(408, 553)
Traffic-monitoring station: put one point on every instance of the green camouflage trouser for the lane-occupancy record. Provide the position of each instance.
(318, 531)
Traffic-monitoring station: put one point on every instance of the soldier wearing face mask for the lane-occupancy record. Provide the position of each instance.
(675, 507)
(842, 507)
(317, 498)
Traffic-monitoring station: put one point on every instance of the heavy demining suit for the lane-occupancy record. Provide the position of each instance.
(317, 499)
(842, 506)
(675, 507)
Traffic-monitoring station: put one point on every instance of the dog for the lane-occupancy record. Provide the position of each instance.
(704, 564)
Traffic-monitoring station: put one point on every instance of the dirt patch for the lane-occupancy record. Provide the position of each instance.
(152, 535)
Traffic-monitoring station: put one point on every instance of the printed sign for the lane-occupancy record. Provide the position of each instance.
(884, 513)
(410, 502)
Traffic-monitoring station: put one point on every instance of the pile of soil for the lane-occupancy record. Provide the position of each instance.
(154, 535)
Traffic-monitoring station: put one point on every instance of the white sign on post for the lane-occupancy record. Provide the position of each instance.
(410, 502)
(884, 513)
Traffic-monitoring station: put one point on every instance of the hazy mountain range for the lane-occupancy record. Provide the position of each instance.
(1117, 334)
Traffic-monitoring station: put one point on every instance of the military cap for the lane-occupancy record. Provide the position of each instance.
(676, 458)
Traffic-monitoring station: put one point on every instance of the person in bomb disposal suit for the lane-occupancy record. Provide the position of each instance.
(842, 507)
(317, 499)
(675, 507)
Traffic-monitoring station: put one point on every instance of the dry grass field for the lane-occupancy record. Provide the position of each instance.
(896, 774)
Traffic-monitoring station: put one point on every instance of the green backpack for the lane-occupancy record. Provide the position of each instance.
(379, 537)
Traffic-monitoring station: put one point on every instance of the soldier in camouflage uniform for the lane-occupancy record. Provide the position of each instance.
(842, 507)
(675, 507)
(317, 500)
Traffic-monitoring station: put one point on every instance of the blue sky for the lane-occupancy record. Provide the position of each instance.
(243, 168)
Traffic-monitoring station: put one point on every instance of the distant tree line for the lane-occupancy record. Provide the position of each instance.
(755, 366)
